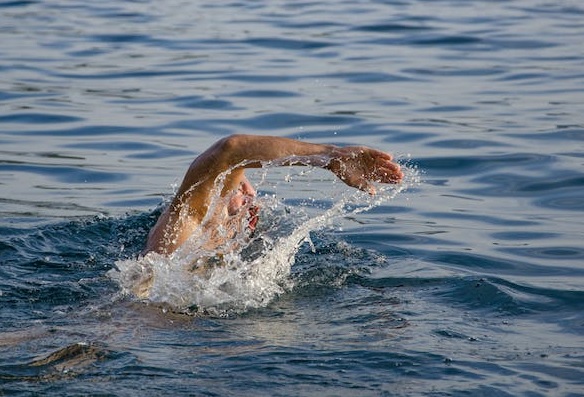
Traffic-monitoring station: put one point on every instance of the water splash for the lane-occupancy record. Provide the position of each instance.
(247, 272)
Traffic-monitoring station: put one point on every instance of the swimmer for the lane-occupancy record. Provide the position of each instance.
(357, 166)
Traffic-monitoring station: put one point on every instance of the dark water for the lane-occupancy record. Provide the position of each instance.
(469, 283)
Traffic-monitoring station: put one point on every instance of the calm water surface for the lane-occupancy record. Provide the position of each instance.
(470, 282)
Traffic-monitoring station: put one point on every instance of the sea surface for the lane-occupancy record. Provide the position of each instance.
(466, 280)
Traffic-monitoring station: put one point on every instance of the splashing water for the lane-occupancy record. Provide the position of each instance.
(247, 272)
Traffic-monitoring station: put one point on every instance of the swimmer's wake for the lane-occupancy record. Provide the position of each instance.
(246, 272)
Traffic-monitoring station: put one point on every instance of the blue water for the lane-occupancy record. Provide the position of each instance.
(469, 282)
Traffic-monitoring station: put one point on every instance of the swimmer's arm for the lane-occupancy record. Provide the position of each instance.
(357, 166)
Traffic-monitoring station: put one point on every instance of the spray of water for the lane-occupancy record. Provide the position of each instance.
(244, 272)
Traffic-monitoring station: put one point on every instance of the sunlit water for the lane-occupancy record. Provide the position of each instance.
(468, 279)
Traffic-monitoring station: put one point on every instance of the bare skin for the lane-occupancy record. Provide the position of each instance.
(357, 166)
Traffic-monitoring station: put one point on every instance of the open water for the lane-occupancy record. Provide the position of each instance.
(466, 280)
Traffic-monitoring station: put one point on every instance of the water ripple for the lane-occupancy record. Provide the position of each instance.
(276, 121)
(63, 174)
(392, 27)
(288, 44)
(466, 165)
(38, 118)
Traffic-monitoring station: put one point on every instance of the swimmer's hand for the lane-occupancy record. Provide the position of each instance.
(360, 166)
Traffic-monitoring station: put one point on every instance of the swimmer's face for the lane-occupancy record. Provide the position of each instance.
(242, 197)
(241, 202)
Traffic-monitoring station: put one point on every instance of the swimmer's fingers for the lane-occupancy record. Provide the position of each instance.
(389, 172)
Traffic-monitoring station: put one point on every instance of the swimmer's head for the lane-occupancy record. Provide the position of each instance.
(241, 202)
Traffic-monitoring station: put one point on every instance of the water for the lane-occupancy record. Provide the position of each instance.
(468, 283)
